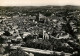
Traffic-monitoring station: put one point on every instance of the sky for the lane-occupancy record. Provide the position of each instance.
(38, 2)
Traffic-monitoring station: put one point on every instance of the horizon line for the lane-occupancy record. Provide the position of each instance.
(36, 5)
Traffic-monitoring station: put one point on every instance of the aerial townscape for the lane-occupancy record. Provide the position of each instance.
(40, 30)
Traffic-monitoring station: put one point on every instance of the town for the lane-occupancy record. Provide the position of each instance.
(40, 31)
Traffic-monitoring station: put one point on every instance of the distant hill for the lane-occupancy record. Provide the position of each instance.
(37, 7)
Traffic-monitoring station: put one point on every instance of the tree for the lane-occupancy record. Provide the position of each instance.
(7, 33)
(1, 40)
(18, 52)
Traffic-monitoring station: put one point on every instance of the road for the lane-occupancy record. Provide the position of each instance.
(38, 50)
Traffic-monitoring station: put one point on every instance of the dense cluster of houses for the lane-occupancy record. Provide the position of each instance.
(35, 25)
(39, 26)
